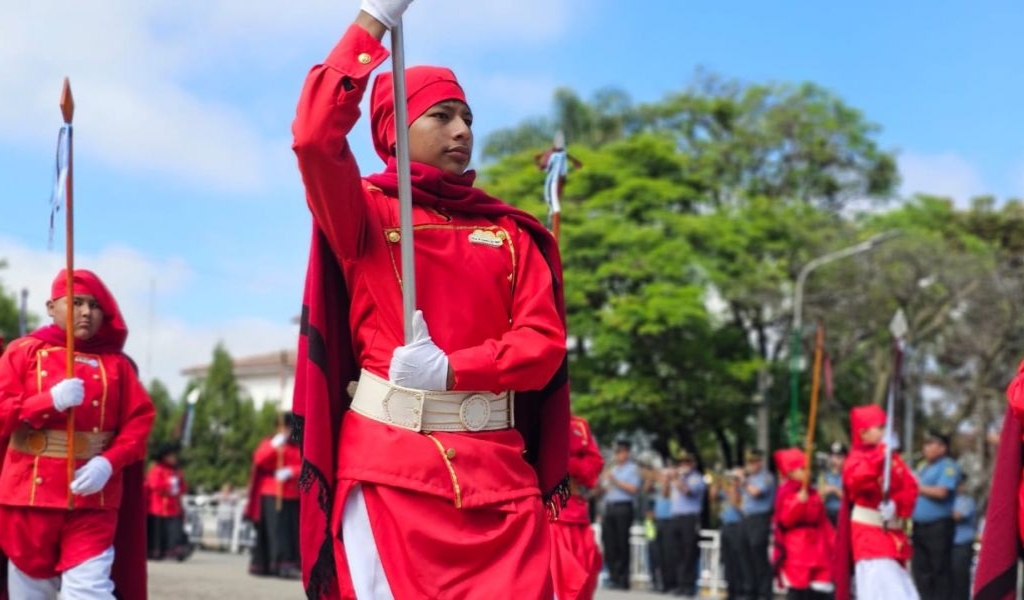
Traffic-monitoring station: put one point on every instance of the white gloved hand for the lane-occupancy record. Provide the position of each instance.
(175, 486)
(419, 364)
(887, 509)
(283, 474)
(279, 440)
(92, 476)
(68, 393)
(388, 12)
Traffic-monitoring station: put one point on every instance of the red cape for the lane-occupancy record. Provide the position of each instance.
(326, 364)
(996, 575)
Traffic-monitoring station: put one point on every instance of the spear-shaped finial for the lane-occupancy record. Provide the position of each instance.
(67, 102)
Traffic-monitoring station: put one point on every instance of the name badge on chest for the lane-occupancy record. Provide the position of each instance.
(486, 237)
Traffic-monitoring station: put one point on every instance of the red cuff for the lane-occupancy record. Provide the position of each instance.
(357, 54)
(36, 410)
(474, 370)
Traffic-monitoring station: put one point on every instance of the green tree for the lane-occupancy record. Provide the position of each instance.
(168, 416)
(222, 429)
(9, 311)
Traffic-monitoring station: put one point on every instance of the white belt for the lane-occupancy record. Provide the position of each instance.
(870, 516)
(423, 410)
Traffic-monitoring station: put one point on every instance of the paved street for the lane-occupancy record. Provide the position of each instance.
(215, 576)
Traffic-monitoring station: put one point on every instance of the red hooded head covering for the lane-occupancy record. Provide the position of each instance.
(862, 418)
(112, 332)
(424, 87)
(789, 460)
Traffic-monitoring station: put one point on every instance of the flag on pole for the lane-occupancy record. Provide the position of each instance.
(60, 180)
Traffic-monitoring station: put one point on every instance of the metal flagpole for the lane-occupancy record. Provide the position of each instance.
(404, 180)
(898, 328)
(67, 109)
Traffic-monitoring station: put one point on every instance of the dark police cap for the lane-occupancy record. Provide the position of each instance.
(934, 435)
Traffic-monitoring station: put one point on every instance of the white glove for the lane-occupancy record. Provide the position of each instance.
(887, 509)
(68, 393)
(92, 476)
(420, 364)
(388, 12)
(175, 486)
(279, 440)
(283, 474)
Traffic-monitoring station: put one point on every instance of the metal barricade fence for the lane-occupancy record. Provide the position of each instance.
(206, 530)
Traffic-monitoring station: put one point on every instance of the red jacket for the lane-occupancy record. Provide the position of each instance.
(585, 464)
(115, 402)
(803, 536)
(862, 484)
(165, 485)
(266, 460)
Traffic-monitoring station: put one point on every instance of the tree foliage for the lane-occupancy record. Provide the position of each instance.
(682, 238)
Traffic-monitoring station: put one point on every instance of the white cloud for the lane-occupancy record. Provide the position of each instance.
(134, 68)
(947, 174)
(161, 342)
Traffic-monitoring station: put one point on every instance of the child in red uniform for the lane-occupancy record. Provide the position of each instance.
(872, 528)
(575, 557)
(430, 479)
(49, 546)
(165, 485)
(803, 533)
(274, 505)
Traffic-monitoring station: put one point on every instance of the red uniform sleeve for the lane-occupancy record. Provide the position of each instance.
(527, 356)
(585, 460)
(265, 456)
(156, 483)
(862, 476)
(904, 488)
(328, 108)
(794, 513)
(137, 413)
(1015, 394)
(19, 405)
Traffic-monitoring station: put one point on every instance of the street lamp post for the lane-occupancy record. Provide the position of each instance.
(798, 300)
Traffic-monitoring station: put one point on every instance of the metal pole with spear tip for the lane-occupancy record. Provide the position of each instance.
(404, 180)
(898, 328)
(67, 109)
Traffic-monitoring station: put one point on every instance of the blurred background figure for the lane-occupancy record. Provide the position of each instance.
(937, 478)
(758, 492)
(687, 493)
(726, 490)
(965, 516)
(273, 505)
(830, 484)
(621, 482)
(165, 519)
(227, 504)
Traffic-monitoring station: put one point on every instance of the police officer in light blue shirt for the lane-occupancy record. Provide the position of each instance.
(830, 485)
(758, 492)
(937, 478)
(687, 493)
(965, 516)
(726, 490)
(621, 484)
(664, 580)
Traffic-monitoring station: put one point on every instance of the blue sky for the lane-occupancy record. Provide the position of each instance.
(187, 197)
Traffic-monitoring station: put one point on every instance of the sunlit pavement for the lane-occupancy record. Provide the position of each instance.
(221, 576)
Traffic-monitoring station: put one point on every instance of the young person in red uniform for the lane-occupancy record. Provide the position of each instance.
(575, 558)
(165, 485)
(803, 533)
(274, 505)
(49, 546)
(872, 529)
(430, 480)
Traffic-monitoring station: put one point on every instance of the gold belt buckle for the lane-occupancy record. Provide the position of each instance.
(37, 442)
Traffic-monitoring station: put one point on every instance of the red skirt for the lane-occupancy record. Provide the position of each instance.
(430, 549)
(575, 560)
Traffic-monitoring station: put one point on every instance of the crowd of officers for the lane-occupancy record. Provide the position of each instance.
(675, 500)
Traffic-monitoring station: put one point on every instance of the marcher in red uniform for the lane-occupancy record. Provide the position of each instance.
(872, 529)
(274, 505)
(49, 546)
(165, 485)
(575, 557)
(803, 533)
(433, 484)
(996, 574)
